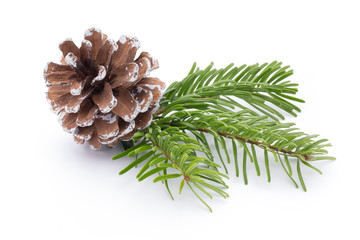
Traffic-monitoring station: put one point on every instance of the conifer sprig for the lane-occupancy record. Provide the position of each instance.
(236, 107)
(263, 87)
(170, 150)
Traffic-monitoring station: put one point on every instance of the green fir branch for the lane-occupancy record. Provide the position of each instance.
(234, 106)
(168, 150)
(261, 86)
(281, 139)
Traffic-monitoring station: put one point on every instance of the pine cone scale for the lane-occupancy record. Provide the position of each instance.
(57, 91)
(125, 73)
(127, 48)
(94, 141)
(78, 140)
(143, 97)
(105, 53)
(97, 40)
(143, 68)
(105, 99)
(85, 51)
(52, 67)
(60, 78)
(68, 46)
(107, 126)
(73, 106)
(69, 122)
(61, 102)
(143, 120)
(84, 133)
(86, 115)
(77, 87)
(154, 85)
(101, 74)
(127, 108)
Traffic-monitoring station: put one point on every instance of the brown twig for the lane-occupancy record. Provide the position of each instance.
(257, 143)
(160, 111)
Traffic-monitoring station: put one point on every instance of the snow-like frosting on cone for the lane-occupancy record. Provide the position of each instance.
(100, 91)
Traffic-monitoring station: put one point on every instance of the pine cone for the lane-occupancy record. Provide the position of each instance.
(100, 92)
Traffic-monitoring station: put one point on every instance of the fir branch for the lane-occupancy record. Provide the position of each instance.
(257, 143)
(261, 86)
(168, 148)
(207, 102)
(280, 139)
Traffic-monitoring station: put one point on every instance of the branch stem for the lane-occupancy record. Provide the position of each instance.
(256, 143)
(186, 177)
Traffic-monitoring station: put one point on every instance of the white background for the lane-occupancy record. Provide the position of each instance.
(52, 188)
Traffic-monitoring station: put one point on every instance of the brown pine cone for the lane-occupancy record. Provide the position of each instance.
(100, 92)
